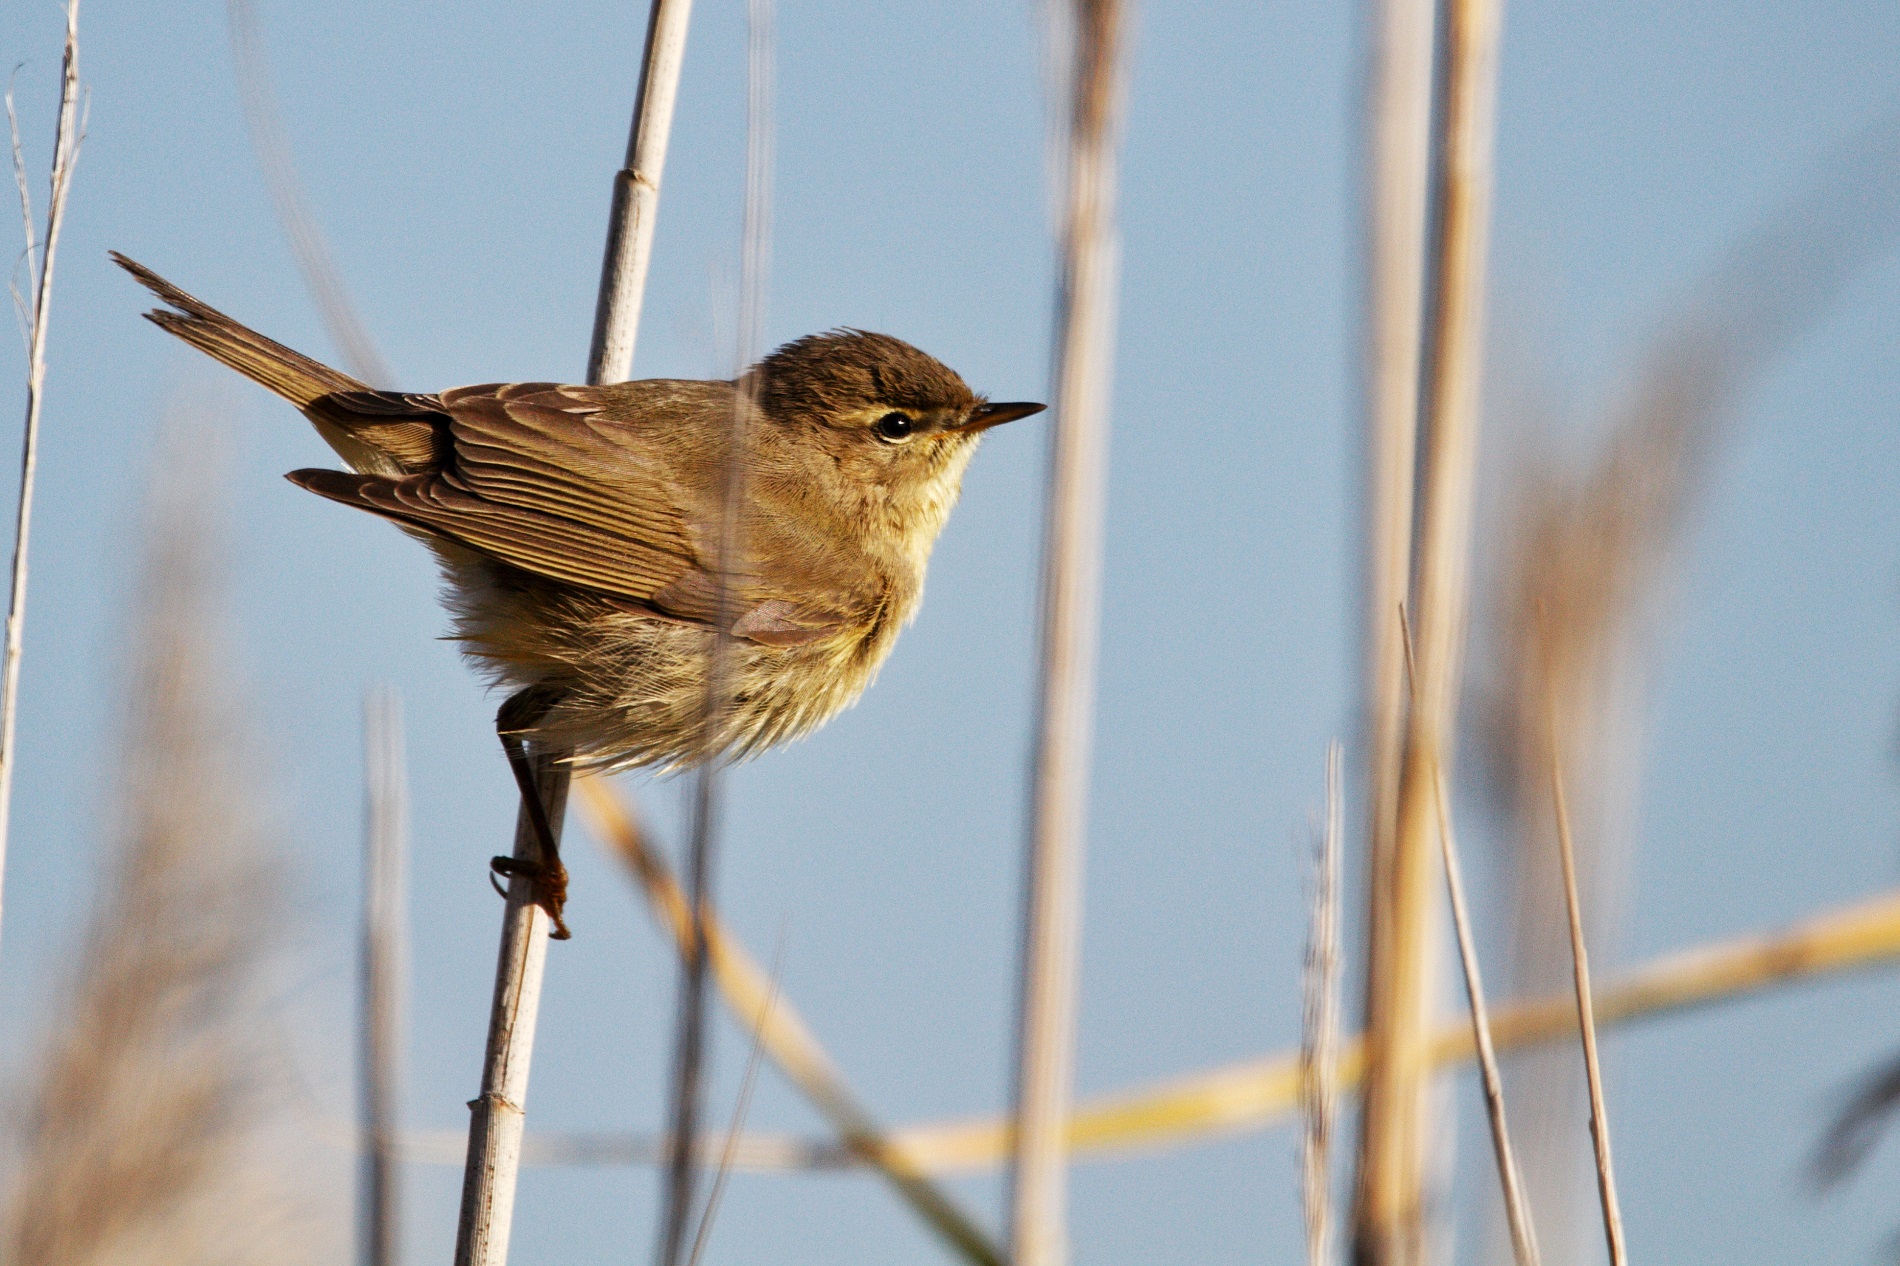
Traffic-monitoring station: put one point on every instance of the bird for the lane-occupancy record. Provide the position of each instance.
(579, 531)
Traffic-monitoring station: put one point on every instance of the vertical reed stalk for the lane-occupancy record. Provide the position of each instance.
(1396, 1125)
(1586, 1016)
(689, 1052)
(1397, 132)
(495, 1127)
(1319, 1045)
(636, 204)
(1072, 560)
(66, 139)
(384, 967)
(496, 1117)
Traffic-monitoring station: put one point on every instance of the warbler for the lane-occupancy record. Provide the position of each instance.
(578, 530)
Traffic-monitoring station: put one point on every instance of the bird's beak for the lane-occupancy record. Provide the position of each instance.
(989, 415)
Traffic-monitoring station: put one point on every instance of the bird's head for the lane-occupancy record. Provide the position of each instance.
(891, 417)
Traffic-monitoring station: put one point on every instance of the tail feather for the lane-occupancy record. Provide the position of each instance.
(267, 362)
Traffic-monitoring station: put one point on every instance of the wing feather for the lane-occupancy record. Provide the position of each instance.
(537, 478)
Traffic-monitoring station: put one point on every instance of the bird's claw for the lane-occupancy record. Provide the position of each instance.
(549, 884)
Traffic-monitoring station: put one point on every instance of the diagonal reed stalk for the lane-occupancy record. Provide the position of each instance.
(321, 277)
(67, 135)
(1071, 579)
(384, 978)
(1516, 1209)
(1319, 1030)
(782, 1034)
(1586, 1017)
(1258, 1093)
(495, 1127)
(689, 1051)
(1395, 1124)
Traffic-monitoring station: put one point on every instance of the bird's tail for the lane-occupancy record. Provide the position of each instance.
(267, 362)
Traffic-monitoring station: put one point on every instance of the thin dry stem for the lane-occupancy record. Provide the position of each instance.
(1516, 1209)
(689, 1051)
(1586, 1018)
(1071, 580)
(67, 135)
(786, 1038)
(1319, 1046)
(739, 1109)
(24, 184)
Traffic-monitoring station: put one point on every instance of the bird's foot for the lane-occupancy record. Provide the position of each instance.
(548, 882)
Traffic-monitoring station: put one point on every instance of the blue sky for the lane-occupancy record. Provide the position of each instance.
(459, 158)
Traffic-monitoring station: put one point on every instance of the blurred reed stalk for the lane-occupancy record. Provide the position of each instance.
(384, 978)
(1586, 1018)
(1258, 1093)
(321, 277)
(1094, 48)
(1319, 1030)
(689, 1052)
(778, 1028)
(68, 132)
(156, 1128)
(1517, 1213)
(496, 1115)
(1398, 108)
(1396, 1123)
(728, 1154)
(1255, 1093)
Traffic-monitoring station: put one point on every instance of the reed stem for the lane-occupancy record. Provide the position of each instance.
(495, 1127)
(1319, 1039)
(1397, 1124)
(1071, 579)
(1586, 1016)
(384, 982)
(66, 139)
(636, 204)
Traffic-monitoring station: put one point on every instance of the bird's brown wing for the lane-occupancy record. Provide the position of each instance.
(537, 478)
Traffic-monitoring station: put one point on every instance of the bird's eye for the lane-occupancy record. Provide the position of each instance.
(894, 428)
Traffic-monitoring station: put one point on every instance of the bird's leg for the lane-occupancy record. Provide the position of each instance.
(546, 874)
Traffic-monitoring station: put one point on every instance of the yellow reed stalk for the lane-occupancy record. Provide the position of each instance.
(1251, 1095)
(1401, 987)
(1258, 1093)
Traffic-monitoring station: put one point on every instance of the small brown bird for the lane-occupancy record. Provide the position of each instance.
(578, 532)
